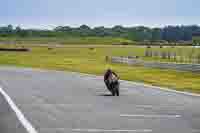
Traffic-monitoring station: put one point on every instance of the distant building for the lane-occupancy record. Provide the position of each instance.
(196, 38)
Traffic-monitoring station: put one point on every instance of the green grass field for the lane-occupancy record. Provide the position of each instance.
(65, 40)
(196, 39)
(87, 60)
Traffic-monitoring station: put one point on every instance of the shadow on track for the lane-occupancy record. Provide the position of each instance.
(106, 95)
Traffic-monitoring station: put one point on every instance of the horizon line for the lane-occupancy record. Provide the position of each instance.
(51, 27)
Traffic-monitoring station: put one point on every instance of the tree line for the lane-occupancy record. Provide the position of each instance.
(139, 33)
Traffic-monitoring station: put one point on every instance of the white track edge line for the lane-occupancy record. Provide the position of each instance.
(147, 85)
(151, 116)
(104, 130)
(27, 125)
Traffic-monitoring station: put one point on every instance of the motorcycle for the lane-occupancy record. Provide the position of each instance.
(113, 82)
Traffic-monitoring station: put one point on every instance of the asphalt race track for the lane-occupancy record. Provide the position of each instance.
(8, 120)
(65, 102)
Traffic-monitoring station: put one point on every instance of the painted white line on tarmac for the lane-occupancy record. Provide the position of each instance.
(148, 106)
(157, 106)
(162, 88)
(104, 130)
(27, 125)
(150, 116)
(145, 85)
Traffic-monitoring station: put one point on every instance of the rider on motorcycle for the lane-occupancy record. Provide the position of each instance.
(106, 77)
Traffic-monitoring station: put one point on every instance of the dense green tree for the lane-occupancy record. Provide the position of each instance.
(84, 30)
(10, 28)
(139, 33)
(18, 29)
(156, 34)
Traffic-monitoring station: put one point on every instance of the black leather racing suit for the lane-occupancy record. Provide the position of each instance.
(106, 76)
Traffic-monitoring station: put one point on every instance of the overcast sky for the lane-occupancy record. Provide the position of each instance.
(50, 13)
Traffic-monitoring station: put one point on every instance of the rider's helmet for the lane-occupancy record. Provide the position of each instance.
(109, 71)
